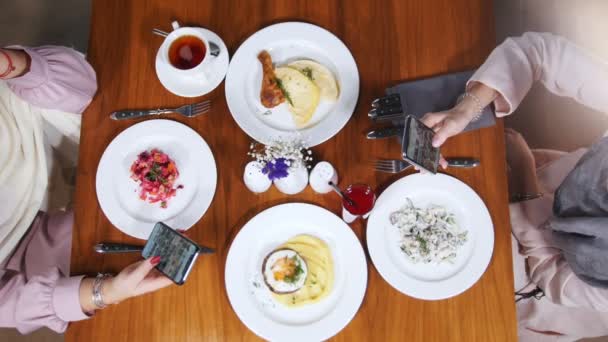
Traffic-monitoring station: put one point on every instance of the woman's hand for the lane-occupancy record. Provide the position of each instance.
(447, 123)
(451, 122)
(136, 279)
(521, 164)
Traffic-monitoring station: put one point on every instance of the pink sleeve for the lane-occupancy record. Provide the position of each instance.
(59, 78)
(48, 300)
(562, 67)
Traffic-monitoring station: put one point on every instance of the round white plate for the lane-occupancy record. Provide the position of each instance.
(118, 194)
(249, 296)
(287, 42)
(191, 87)
(431, 281)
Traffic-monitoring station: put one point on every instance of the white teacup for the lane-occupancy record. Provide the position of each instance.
(202, 70)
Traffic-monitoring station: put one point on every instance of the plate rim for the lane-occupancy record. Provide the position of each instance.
(387, 269)
(323, 137)
(198, 197)
(359, 288)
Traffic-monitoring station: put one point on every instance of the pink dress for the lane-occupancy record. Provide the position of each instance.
(571, 309)
(35, 287)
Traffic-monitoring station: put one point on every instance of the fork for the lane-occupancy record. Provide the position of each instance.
(396, 166)
(190, 110)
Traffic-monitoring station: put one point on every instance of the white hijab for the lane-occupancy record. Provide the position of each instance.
(26, 132)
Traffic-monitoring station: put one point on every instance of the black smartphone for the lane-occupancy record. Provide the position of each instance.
(418, 147)
(177, 252)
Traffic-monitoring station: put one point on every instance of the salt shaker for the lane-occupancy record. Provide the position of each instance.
(255, 179)
(321, 175)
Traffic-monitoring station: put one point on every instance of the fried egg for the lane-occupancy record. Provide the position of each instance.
(284, 270)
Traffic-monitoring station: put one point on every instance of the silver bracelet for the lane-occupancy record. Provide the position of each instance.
(477, 101)
(97, 297)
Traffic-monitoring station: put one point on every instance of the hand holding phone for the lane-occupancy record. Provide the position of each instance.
(418, 147)
(177, 252)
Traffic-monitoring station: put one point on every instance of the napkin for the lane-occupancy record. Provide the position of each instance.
(436, 94)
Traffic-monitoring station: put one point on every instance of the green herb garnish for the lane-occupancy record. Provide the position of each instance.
(423, 245)
(308, 73)
(297, 272)
(285, 92)
(155, 173)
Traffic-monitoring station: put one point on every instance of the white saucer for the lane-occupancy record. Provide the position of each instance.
(190, 87)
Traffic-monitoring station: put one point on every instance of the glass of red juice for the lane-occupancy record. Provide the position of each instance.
(363, 199)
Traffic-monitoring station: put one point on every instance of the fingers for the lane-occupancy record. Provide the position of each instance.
(443, 162)
(144, 267)
(153, 282)
(433, 119)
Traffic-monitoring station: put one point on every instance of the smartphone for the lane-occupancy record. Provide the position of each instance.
(177, 252)
(418, 147)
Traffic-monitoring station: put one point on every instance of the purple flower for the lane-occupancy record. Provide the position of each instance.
(276, 169)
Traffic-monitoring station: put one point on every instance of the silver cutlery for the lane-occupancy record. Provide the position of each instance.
(190, 110)
(108, 248)
(214, 49)
(160, 32)
(111, 248)
(388, 132)
(396, 166)
(387, 108)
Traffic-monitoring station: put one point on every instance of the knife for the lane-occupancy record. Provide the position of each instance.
(111, 248)
(383, 112)
(393, 100)
(388, 132)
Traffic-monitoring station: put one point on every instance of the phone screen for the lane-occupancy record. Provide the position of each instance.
(418, 145)
(177, 252)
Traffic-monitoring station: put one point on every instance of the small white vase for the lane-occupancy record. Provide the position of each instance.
(295, 182)
(254, 179)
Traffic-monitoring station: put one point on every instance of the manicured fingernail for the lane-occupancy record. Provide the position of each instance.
(156, 260)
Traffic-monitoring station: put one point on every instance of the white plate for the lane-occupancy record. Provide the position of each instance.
(118, 194)
(191, 87)
(287, 42)
(431, 281)
(254, 305)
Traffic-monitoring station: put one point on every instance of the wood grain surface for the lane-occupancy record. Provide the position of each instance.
(391, 41)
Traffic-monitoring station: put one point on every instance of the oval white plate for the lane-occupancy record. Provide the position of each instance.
(287, 42)
(249, 296)
(431, 281)
(191, 87)
(118, 194)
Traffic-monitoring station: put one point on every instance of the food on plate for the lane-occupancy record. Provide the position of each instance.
(156, 174)
(321, 76)
(429, 235)
(301, 93)
(302, 84)
(300, 271)
(270, 95)
(284, 271)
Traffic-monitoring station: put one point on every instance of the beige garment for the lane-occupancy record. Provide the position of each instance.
(28, 135)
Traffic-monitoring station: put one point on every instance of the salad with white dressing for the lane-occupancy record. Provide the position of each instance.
(428, 235)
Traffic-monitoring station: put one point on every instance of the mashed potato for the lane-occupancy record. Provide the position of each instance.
(320, 280)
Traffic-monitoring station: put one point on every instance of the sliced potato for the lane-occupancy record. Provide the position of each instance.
(301, 93)
(321, 76)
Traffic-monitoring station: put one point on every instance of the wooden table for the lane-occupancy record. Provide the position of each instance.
(391, 41)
